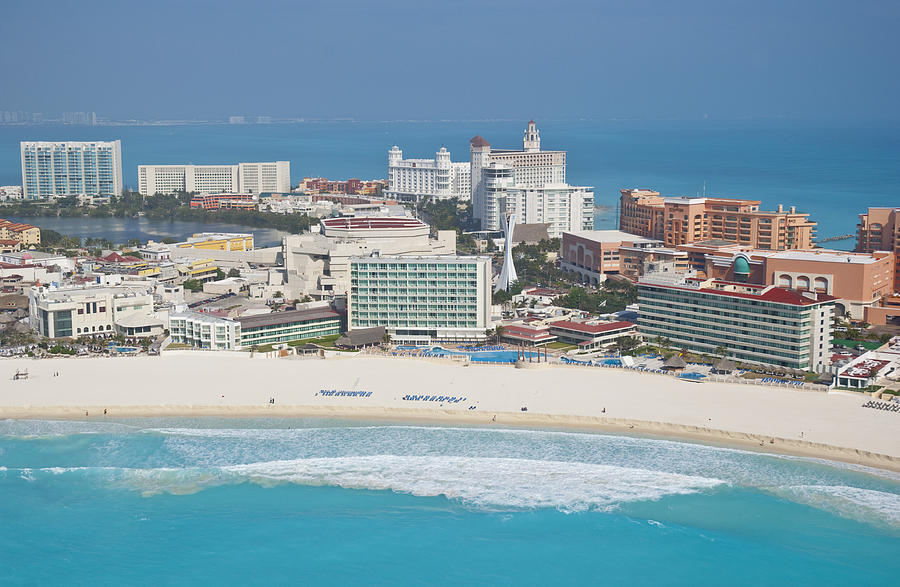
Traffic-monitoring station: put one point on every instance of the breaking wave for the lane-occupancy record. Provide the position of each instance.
(479, 482)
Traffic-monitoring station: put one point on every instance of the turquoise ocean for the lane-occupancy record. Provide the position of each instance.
(308, 501)
(180, 501)
(831, 170)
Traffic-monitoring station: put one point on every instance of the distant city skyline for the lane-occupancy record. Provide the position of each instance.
(407, 60)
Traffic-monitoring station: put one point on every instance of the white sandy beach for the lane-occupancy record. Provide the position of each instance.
(184, 383)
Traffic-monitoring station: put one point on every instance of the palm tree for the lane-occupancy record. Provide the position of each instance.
(721, 351)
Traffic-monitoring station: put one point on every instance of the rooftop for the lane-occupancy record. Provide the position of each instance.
(372, 222)
(275, 318)
(865, 368)
(766, 293)
(825, 255)
(589, 328)
(611, 236)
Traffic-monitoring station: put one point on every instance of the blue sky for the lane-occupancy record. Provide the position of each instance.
(456, 59)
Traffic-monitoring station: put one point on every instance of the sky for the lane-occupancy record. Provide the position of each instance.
(453, 59)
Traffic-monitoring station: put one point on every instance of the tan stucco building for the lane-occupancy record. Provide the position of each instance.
(684, 220)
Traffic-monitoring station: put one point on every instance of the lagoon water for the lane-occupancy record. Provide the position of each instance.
(316, 501)
(122, 230)
(831, 170)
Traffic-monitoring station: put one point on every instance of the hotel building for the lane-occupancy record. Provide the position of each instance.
(70, 312)
(879, 230)
(212, 332)
(421, 300)
(318, 264)
(241, 178)
(684, 220)
(754, 323)
(412, 180)
(561, 206)
(63, 169)
(494, 172)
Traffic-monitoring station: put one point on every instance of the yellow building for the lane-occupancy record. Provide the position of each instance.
(201, 269)
(25, 234)
(219, 241)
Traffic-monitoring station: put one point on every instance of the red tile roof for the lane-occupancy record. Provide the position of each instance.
(592, 328)
(527, 332)
(768, 293)
(115, 257)
(478, 141)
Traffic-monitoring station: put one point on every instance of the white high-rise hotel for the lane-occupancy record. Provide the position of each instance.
(69, 168)
(530, 183)
(242, 178)
(411, 180)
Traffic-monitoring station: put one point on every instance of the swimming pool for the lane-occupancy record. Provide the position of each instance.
(474, 356)
(692, 375)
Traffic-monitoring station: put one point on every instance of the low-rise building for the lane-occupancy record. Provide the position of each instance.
(219, 332)
(61, 312)
(10, 245)
(217, 241)
(25, 234)
(421, 299)
(526, 334)
(592, 334)
(205, 331)
(38, 259)
(280, 327)
(225, 201)
(596, 254)
(754, 323)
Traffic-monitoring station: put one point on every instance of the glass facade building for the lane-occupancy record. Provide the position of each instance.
(761, 324)
(421, 299)
(63, 169)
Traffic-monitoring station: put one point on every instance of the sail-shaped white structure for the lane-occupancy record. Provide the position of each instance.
(508, 272)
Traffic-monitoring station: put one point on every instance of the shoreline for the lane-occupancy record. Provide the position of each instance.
(509, 420)
(831, 426)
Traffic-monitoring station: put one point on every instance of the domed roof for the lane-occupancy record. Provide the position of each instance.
(478, 141)
(741, 266)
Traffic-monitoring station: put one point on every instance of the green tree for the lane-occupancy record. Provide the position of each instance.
(193, 285)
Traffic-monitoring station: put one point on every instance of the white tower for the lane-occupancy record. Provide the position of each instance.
(508, 272)
(532, 139)
(395, 155)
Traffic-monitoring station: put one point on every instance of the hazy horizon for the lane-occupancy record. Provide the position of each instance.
(465, 60)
